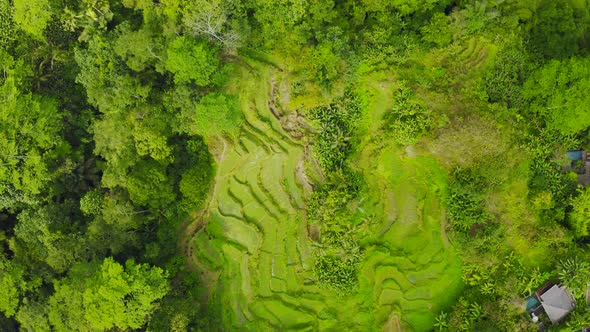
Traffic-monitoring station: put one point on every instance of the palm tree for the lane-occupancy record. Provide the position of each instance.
(574, 274)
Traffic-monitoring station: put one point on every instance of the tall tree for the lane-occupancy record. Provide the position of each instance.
(558, 28)
(148, 185)
(30, 136)
(192, 60)
(139, 49)
(105, 78)
(43, 236)
(33, 16)
(559, 92)
(215, 113)
(12, 285)
(106, 296)
(211, 19)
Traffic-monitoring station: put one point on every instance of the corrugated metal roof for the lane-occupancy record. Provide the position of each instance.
(557, 303)
(574, 154)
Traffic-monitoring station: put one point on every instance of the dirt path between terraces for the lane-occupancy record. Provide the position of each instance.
(197, 220)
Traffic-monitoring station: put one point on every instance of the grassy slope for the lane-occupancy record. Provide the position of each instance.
(255, 256)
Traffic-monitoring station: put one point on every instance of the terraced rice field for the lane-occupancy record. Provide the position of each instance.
(255, 257)
(410, 269)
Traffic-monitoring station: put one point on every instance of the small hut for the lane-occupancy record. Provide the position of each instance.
(552, 299)
(580, 164)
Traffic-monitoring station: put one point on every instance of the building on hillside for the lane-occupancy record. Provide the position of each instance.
(580, 164)
(552, 299)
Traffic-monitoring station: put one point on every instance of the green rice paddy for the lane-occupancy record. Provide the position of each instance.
(256, 258)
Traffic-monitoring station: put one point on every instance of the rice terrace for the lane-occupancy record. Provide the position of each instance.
(256, 257)
(295, 165)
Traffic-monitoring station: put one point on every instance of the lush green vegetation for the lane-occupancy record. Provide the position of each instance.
(291, 165)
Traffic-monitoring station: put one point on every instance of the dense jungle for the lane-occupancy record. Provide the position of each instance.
(294, 165)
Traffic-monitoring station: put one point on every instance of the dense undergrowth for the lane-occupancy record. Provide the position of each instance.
(336, 264)
(326, 165)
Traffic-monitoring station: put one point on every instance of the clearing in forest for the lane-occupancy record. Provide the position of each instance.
(256, 259)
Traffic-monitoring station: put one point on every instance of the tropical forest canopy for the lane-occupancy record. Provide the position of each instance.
(313, 165)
